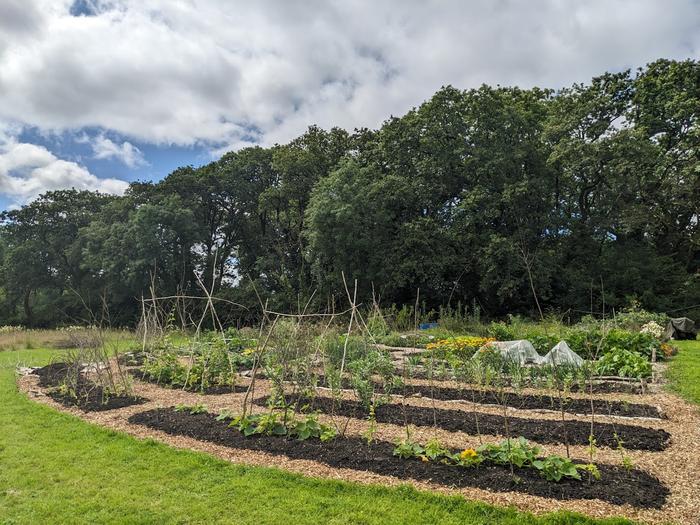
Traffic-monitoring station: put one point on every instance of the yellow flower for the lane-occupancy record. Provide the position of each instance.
(468, 453)
(460, 343)
(424, 459)
(248, 351)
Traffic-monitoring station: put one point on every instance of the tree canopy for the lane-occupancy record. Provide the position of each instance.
(586, 194)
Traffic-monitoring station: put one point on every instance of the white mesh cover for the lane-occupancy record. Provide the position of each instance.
(561, 354)
(521, 351)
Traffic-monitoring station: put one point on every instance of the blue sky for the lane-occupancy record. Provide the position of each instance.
(98, 93)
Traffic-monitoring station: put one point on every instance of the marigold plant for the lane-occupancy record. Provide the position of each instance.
(464, 346)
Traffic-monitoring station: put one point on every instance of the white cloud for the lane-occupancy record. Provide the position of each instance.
(28, 170)
(127, 153)
(206, 71)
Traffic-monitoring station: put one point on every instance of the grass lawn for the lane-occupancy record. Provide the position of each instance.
(55, 468)
(684, 371)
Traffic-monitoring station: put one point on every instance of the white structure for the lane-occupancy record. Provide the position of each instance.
(521, 351)
(562, 355)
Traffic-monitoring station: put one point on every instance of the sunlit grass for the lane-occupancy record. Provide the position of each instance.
(684, 370)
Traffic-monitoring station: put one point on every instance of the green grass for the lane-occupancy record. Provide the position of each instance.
(55, 468)
(684, 371)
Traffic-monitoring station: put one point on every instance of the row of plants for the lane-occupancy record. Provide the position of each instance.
(515, 453)
(210, 360)
(292, 425)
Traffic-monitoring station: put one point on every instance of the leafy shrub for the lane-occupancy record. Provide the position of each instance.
(586, 341)
(500, 331)
(623, 363)
(635, 317)
(334, 346)
(376, 324)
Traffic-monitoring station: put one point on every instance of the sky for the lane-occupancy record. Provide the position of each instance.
(95, 94)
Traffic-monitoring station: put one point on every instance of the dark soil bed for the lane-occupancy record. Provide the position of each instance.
(540, 430)
(636, 488)
(89, 396)
(599, 387)
(527, 401)
(210, 390)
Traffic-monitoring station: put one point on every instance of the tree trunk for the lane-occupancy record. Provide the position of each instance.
(27, 307)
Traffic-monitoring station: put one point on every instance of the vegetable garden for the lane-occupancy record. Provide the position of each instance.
(342, 395)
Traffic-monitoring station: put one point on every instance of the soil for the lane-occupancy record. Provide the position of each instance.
(599, 387)
(617, 486)
(89, 396)
(540, 430)
(528, 401)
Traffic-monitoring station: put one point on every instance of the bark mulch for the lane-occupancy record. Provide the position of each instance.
(617, 486)
(540, 430)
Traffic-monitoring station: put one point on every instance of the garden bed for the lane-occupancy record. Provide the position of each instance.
(540, 430)
(607, 386)
(617, 485)
(526, 401)
(89, 397)
(209, 390)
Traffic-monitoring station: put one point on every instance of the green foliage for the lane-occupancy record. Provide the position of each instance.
(435, 450)
(623, 363)
(309, 427)
(407, 449)
(270, 424)
(517, 452)
(266, 424)
(554, 468)
(199, 408)
(362, 372)
(432, 200)
(209, 361)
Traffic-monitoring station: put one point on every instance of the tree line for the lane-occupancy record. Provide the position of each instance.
(512, 200)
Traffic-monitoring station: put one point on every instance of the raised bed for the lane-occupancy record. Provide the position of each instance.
(527, 401)
(89, 396)
(540, 430)
(617, 486)
(210, 390)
